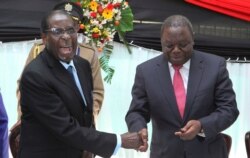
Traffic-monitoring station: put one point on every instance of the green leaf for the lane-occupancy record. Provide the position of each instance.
(121, 37)
(126, 22)
(109, 76)
(104, 63)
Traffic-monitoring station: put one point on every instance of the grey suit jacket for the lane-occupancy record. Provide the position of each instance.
(210, 99)
(54, 121)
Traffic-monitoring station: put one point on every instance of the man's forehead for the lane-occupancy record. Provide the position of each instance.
(60, 17)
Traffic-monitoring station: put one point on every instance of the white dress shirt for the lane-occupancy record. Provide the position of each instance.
(184, 71)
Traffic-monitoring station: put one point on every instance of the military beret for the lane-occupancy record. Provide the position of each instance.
(72, 9)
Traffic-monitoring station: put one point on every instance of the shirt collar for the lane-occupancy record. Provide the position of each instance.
(66, 65)
(186, 65)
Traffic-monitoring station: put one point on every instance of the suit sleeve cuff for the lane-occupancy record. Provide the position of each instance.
(118, 145)
(201, 133)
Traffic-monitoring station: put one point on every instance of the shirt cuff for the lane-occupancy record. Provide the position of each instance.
(119, 144)
(201, 133)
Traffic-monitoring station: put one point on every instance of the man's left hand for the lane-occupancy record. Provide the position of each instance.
(190, 130)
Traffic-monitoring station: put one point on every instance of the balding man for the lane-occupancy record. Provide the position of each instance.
(187, 94)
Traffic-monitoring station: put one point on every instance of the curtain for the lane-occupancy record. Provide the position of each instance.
(235, 8)
(118, 93)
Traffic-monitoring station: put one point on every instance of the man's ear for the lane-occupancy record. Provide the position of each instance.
(44, 38)
(77, 27)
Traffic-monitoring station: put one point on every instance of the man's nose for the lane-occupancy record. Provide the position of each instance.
(65, 35)
(176, 48)
(65, 38)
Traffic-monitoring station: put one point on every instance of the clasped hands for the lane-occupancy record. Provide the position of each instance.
(137, 141)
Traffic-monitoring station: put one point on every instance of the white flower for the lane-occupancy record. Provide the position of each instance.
(117, 1)
(100, 26)
(86, 13)
(94, 22)
(118, 16)
(104, 21)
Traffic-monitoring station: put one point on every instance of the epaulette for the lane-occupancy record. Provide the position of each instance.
(86, 46)
(38, 46)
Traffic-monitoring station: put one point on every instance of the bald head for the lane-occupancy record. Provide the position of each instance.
(45, 23)
(177, 21)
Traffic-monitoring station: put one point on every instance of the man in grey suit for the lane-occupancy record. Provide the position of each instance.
(57, 102)
(186, 121)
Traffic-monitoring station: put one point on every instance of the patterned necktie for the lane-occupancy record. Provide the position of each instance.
(179, 89)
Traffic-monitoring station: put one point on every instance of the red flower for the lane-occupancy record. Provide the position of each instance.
(93, 14)
(110, 6)
(100, 9)
(95, 35)
(78, 3)
(117, 5)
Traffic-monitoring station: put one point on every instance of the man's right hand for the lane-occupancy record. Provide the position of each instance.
(131, 140)
(137, 141)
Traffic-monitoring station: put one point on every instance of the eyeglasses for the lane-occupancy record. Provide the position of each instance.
(60, 31)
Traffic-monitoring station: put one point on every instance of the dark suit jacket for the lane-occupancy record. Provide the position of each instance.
(54, 120)
(210, 99)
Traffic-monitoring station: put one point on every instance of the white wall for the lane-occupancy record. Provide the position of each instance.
(118, 94)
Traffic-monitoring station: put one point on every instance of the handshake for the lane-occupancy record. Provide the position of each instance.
(137, 141)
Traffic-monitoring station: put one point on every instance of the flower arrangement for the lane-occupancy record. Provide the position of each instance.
(105, 18)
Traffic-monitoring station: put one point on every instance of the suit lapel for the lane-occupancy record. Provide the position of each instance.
(61, 73)
(82, 75)
(195, 76)
(165, 84)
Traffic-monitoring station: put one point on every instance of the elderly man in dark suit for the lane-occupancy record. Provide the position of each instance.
(83, 50)
(56, 100)
(187, 94)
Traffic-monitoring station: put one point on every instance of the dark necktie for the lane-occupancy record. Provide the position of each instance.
(70, 70)
(179, 89)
